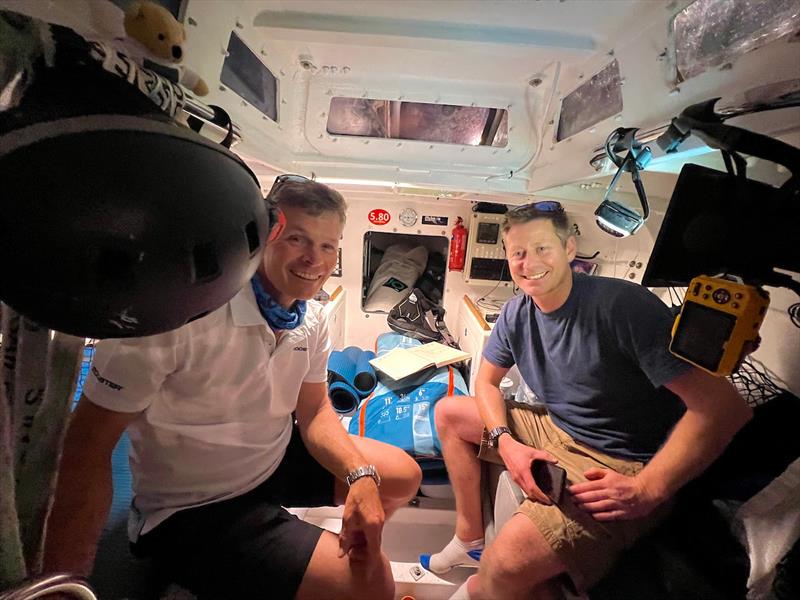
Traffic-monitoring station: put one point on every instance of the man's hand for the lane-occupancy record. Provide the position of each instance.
(611, 496)
(362, 522)
(519, 459)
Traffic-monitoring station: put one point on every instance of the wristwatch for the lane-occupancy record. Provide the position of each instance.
(494, 435)
(363, 471)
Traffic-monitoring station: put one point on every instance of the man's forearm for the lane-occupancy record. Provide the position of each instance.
(329, 443)
(83, 499)
(491, 405)
(696, 441)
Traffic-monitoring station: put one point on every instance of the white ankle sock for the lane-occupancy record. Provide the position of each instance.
(457, 553)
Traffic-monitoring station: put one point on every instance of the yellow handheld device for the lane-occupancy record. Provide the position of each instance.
(718, 324)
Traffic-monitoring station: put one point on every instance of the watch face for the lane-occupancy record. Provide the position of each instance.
(494, 436)
(408, 216)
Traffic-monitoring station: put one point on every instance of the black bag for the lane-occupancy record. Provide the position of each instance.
(417, 317)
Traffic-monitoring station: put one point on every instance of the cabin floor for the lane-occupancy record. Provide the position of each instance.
(426, 525)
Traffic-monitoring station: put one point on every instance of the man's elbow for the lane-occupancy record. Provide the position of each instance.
(716, 401)
(734, 414)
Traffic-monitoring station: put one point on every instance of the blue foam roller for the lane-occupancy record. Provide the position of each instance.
(344, 397)
(353, 353)
(342, 367)
(365, 379)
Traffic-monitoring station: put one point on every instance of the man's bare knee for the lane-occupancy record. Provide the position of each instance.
(331, 577)
(499, 572)
(379, 583)
(402, 483)
(457, 417)
(446, 413)
(400, 474)
(518, 561)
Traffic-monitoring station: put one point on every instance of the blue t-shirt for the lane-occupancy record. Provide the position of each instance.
(599, 363)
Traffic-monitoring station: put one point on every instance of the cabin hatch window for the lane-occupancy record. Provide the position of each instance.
(592, 102)
(245, 74)
(710, 33)
(396, 263)
(442, 123)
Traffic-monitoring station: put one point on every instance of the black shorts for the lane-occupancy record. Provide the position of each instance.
(248, 546)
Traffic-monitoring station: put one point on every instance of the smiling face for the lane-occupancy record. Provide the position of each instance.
(539, 262)
(300, 260)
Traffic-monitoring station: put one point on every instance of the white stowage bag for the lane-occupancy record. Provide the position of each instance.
(771, 521)
(395, 277)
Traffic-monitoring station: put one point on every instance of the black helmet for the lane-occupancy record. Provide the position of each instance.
(115, 221)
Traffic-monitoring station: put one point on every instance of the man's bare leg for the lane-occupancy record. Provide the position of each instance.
(338, 578)
(330, 576)
(400, 474)
(460, 427)
(520, 564)
(469, 590)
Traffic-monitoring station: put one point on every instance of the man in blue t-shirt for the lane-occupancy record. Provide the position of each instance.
(629, 422)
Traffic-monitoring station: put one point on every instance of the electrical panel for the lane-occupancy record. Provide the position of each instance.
(486, 259)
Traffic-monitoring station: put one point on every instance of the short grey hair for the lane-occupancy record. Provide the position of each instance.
(312, 197)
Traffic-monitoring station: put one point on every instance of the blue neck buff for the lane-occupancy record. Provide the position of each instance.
(277, 316)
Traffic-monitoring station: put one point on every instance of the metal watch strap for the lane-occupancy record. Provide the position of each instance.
(495, 434)
(363, 471)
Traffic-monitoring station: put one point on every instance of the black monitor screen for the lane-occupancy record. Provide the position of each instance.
(701, 335)
(716, 223)
(488, 233)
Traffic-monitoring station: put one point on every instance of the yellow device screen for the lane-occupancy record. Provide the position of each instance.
(718, 324)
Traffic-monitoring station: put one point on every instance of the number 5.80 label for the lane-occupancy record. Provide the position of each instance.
(379, 216)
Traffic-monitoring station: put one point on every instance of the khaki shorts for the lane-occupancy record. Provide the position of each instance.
(588, 548)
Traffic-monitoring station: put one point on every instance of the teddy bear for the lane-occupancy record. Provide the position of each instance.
(155, 39)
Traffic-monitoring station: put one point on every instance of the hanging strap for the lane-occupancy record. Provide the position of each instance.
(12, 562)
(39, 379)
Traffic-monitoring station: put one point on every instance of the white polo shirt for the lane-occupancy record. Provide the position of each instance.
(216, 398)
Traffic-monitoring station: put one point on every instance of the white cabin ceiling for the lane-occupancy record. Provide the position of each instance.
(461, 52)
(486, 53)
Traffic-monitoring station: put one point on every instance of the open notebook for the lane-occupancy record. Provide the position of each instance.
(402, 362)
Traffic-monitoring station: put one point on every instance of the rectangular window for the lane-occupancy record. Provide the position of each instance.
(592, 102)
(443, 123)
(709, 33)
(245, 74)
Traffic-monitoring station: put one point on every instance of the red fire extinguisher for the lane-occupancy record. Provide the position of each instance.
(458, 246)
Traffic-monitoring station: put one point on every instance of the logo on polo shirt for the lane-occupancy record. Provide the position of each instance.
(104, 381)
(300, 349)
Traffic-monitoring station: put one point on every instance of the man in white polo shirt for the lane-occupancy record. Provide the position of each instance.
(229, 421)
